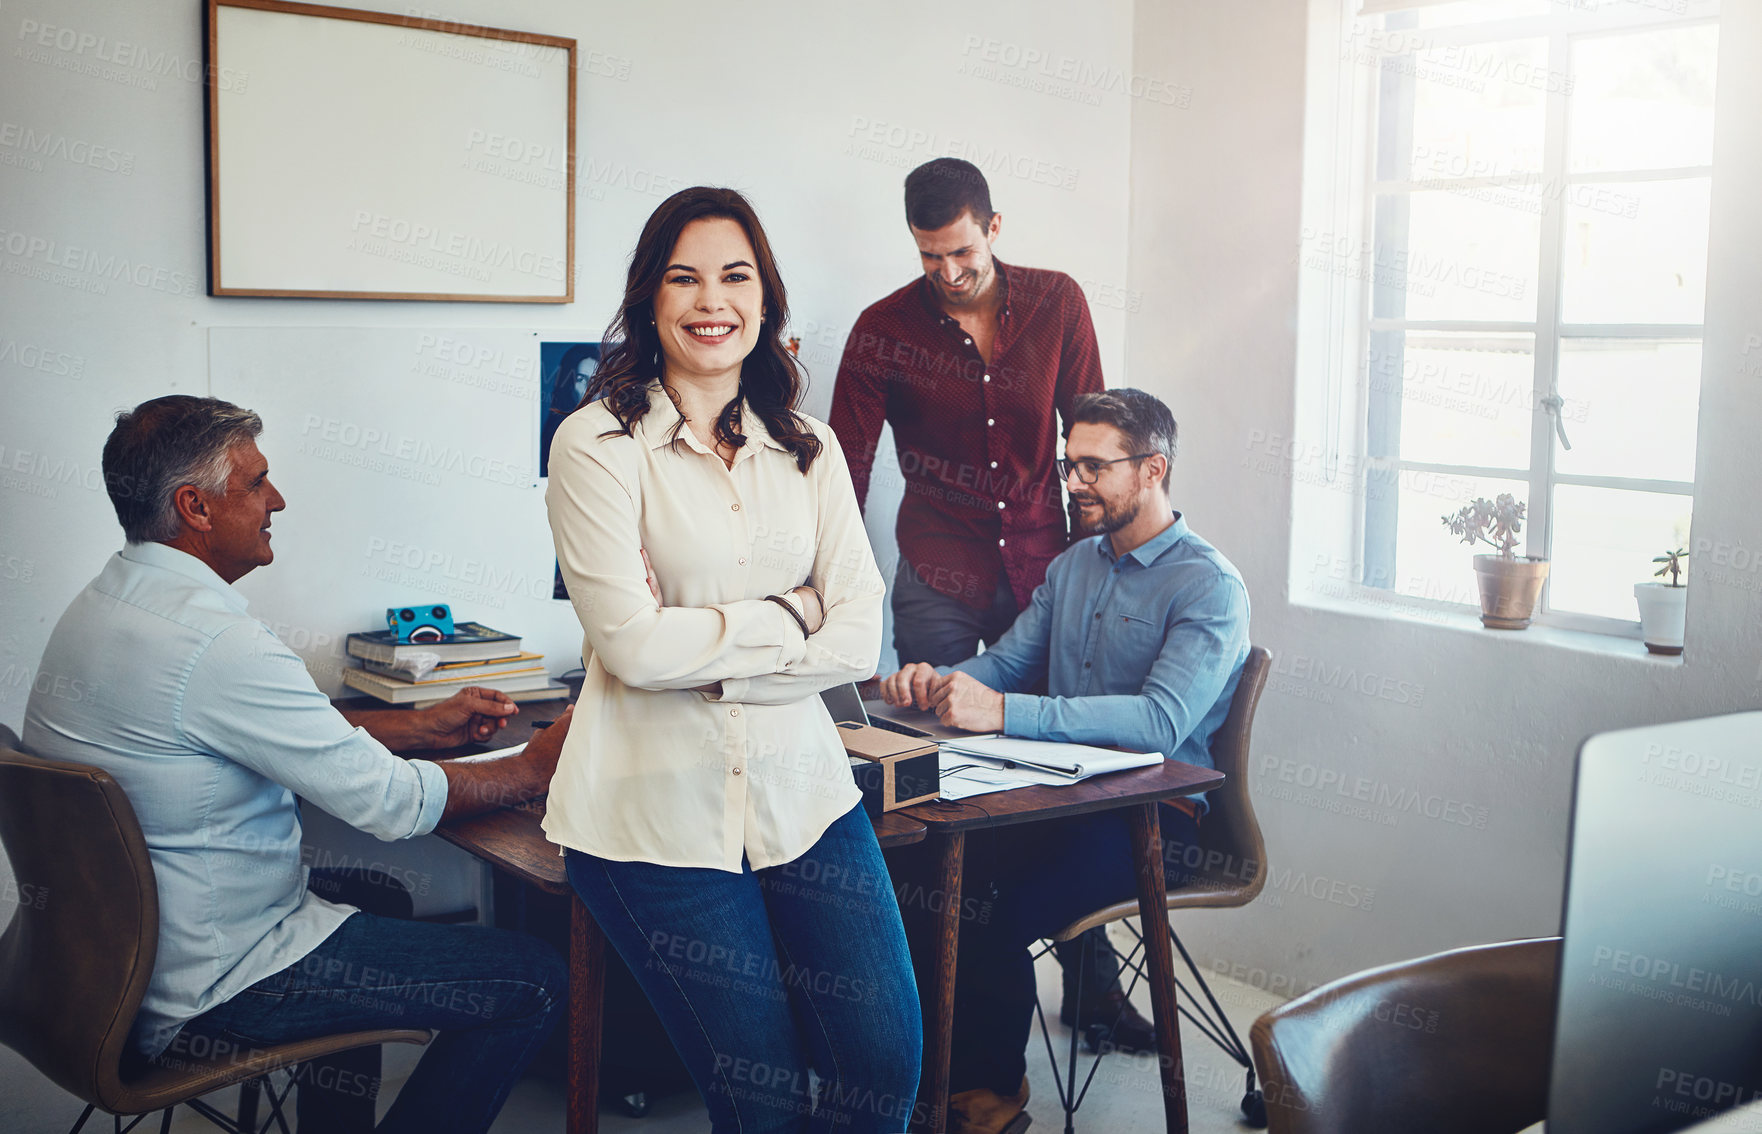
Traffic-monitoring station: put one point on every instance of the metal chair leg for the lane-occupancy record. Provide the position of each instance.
(84, 1114)
(1071, 1093)
(225, 1122)
(248, 1094)
(276, 1100)
(1070, 1099)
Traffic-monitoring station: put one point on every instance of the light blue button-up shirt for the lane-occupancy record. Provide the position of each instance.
(158, 675)
(1142, 650)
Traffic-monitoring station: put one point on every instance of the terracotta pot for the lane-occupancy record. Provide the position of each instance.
(1662, 609)
(1509, 589)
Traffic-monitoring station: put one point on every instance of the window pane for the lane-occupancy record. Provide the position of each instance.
(1465, 399)
(1636, 252)
(1643, 101)
(1604, 542)
(1631, 408)
(1429, 561)
(1469, 120)
(1444, 256)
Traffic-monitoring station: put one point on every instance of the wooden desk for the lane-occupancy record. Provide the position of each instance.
(1140, 790)
(512, 841)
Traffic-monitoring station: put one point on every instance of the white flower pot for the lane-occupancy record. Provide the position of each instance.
(1661, 615)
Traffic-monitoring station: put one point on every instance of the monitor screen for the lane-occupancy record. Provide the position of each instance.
(1659, 1021)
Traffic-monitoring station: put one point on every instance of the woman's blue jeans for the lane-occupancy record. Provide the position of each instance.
(762, 975)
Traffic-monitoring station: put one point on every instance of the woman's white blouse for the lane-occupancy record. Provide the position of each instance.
(654, 772)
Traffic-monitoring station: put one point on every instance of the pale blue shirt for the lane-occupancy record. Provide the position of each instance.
(212, 726)
(1142, 650)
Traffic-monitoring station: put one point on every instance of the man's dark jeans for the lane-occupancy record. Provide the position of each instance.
(1038, 878)
(929, 626)
(493, 995)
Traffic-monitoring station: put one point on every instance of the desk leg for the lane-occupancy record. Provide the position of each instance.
(587, 987)
(931, 1113)
(1160, 956)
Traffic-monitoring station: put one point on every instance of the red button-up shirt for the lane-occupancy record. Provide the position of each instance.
(976, 442)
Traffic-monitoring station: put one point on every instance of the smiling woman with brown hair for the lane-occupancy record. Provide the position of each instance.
(714, 553)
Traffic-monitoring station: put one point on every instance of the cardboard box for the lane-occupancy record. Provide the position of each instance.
(892, 770)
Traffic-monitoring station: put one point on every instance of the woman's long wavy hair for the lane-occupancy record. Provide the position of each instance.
(770, 378)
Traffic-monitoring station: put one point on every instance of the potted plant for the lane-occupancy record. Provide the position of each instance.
(1510, 583)
(1662, 605)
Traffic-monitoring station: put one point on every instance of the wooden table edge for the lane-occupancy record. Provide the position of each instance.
(944, 817)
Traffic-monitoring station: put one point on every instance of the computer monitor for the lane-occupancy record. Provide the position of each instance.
(1659, 1011)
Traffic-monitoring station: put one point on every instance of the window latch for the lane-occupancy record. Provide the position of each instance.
(1554, 403)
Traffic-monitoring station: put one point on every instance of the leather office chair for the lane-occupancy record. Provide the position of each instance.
(75, 960)
(1454, 1043)
(1228, 870)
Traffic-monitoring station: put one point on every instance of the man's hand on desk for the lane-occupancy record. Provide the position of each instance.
(476, 784)
(910, 687)
(470, 716)
(963, 701)
(957, 699)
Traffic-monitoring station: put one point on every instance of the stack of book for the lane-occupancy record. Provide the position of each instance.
(407, 673)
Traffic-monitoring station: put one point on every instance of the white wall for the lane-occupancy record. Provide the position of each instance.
(1486, 722)
(816, 110)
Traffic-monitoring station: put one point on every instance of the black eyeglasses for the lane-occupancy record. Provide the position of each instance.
(1089, 469)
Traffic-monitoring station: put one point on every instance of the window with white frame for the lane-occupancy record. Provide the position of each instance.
(1533, 183)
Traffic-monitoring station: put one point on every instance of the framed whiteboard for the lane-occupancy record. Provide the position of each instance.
(361, 155)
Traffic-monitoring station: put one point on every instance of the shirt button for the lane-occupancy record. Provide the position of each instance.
(743, 563)
(1098, 614)
(735, 507)
(734, 712)
(993, 464)
(969, 341)
(987, 377)
(1000, 505)
(991, 421)
(1086, 665)
(1000, 544)
(737, 771)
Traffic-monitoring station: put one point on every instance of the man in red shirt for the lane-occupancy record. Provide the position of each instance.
(969, 364)
(973, 365)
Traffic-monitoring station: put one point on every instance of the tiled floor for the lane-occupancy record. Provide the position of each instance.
(1125, 1094)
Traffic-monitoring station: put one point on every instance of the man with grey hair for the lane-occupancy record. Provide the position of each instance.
(1139, 634)
(212, 727)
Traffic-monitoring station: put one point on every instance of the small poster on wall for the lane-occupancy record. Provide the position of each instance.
(568, 369)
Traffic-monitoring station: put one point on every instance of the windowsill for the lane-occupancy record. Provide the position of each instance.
(1367, 602)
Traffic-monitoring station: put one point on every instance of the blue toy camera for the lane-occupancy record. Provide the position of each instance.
(430, 622)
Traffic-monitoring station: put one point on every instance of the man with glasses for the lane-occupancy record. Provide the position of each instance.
(1139, 634)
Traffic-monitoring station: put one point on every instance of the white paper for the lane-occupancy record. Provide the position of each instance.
(1067, 763)
(964, 777)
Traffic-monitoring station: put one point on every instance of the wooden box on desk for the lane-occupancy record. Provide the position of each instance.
(891, 770)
